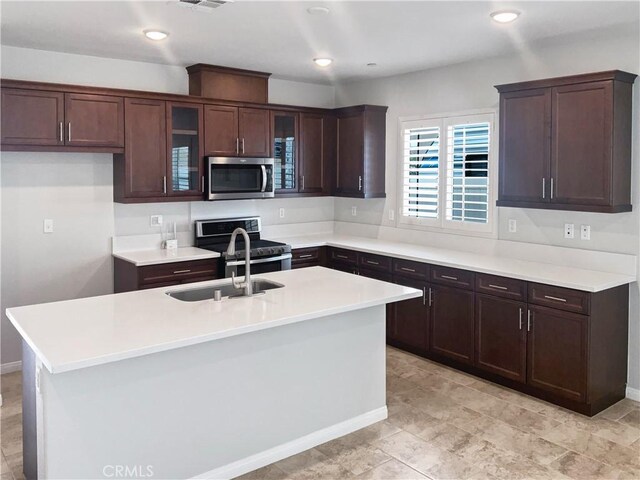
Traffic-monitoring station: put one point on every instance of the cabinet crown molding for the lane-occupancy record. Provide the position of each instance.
(618, 75)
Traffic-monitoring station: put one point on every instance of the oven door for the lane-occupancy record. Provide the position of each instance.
(259, 265)
(236, 178)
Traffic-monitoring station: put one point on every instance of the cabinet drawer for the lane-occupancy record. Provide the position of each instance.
(407, 268)
(560, 298)
(375, 262)
(178, 271)
(375, 274)
(452, 276)
(305, 255)
(501, 286)
(342, 255)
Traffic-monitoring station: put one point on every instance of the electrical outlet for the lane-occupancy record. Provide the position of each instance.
(354, 211)
(392, 214)
(282, 213)
(47, 225)
(569, 230)
(585, 232)
(156, 220)
(513, 225)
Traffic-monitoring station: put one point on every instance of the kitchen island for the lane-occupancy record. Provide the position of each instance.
(145, 384)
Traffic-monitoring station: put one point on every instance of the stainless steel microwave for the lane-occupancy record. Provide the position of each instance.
(235, 178)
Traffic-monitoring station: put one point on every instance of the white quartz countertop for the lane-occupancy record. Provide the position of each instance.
(81, 333)
(156, 256)
(562, 276)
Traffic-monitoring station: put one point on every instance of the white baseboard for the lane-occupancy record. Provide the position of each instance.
(10, 367)
(633, 394)
(293, 447)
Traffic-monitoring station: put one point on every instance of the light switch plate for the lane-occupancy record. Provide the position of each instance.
(585, 232)
(47, 225)
(156, 220)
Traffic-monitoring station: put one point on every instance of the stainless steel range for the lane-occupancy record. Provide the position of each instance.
(266, 256)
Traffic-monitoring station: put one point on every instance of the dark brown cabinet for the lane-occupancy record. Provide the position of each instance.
(129, 277)
(236, 131)
(94, 120)
(409, 322)
(32, 117)
(557, 352)
(42, 118)
(221, 131)
(285, 137)
(307, 257)
(361, 151)
(142, 171)
(452, 323)
(317, 152)
(185, 141)
(501, 336)
(565, 143)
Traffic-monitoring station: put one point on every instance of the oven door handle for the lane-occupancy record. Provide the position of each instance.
(264, 178)
(286, 256)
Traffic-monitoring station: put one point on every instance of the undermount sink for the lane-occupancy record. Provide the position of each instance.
(226, 290)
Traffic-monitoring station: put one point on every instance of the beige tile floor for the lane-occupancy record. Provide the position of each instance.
(442, 424)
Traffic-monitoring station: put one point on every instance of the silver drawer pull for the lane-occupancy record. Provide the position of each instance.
(557, 299)
(342, 256)
(306, 256)
(371, 262)
(499, 287)
(408, 269)
(182, 271)
(448, 277)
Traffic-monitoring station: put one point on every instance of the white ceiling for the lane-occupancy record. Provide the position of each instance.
(282, 38)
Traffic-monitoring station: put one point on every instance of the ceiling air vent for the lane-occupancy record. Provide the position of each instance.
(203, 4)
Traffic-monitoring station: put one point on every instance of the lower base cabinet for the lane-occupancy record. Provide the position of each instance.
(501, 336)
(557, 352)
(565, 346)
(452, 329)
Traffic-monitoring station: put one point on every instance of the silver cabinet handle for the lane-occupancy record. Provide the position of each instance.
(520, 319)
(243, 146)
(430, 296)
(61, 132)
(237, 146)
(499, 287)
(202, 184)
(449, 277)
(424, 295)
(69, 137)
(528, 320)
(408, 269)
(557, 299)
(306, 256)
(359, 183)
(371, 262)
(544, 187)
(551, 189)
(182, 271)
(302, 182)
(342, 256)
(164, 184)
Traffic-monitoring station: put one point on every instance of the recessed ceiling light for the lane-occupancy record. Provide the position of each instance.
(318, 10)
(155, 34)
(505, 16)
(323, 62)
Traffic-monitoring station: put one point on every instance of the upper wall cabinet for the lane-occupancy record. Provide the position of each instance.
(317, 153)
(43, 118)
(565, 143)
(361, 151)
(236, 131)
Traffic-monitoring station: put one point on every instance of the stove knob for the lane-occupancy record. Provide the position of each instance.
(260, 251)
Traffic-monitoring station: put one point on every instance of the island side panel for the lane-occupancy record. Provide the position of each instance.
(230, 405)
(29, 415)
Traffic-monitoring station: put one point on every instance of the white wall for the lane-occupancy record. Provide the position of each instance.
(75, 190)
(471, 86)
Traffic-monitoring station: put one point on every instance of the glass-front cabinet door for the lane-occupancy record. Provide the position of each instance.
(185, 149)
(284, 128)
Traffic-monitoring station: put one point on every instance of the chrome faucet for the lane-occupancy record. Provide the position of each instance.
(247, 286)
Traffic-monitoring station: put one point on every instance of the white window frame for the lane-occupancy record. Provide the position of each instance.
(441, 224)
